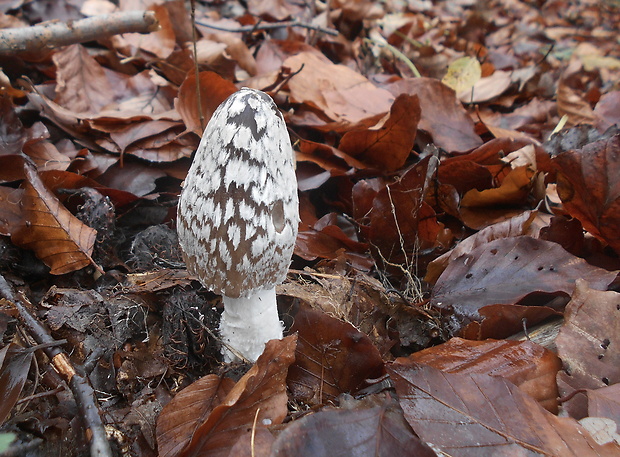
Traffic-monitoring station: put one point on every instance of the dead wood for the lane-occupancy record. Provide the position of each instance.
(55, 34)
(80, 386)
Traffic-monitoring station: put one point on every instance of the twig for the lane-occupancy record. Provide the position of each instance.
(79, 385)
(201, 116)
(54, 34)
(397, 53)
(277, 25)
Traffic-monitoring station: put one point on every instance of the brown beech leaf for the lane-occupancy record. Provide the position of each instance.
(360, 431)
(386, 145)
(261, 389)
(331, 358)
(572, 103)
(15, 363)
(83, 86)
(586, 342)
(341, 93)
(513, 190)
(515, 226)
(503, 272)
(480, 415)
(255, 442)
(45, 155)
(187, 410)
(529, 366)
(442, 114)
(326, 238)
(55, 235)
(213, 91)
(160, 42)
(10, 210)
(605, 402)
(464, 175)
(588, 182)
(400, 221)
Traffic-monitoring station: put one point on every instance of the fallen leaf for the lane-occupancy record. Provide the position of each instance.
(442, 115)
(462, 74)
(331, 358)
(378, 431)
(388, 144)
(55, 235)
(82, 84)
(213, 91)
(586, 342)
(503, 272)
(341, 93)
(527, 365)
(481, 415)
(572, 104)
(513, 190)
(15, 363)
(261, 389)
(588, 182)
(605, 402)
(179, 419)
(512, 227)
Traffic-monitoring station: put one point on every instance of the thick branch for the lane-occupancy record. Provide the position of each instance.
(54, 34)
(82, 390)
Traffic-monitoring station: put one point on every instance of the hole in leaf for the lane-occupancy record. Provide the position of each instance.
(468, 275)
(605, 381)
(605, 343)
(516, 257)
(493, 251)
(600, 356)
(540, 268)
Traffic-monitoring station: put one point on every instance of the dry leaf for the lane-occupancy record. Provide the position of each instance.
(481, 415)
(589, 186)
(332, 358)
(387, 145)
(527, 365)
(503, 272)
(261, 389)
(55, 235)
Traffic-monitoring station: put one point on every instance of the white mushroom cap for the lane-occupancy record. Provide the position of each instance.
(238, 212)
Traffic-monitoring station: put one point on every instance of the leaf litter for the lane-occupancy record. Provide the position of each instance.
(437, 212)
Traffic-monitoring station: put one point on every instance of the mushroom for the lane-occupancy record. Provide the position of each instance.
(238, 215)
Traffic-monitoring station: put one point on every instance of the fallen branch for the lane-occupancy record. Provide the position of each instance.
(54, 34)
(80, 387)
(277, 25)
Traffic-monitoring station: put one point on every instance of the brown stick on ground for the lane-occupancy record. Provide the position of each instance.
(79, 385)
(53, 34)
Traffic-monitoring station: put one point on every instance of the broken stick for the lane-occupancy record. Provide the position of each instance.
(54, 34)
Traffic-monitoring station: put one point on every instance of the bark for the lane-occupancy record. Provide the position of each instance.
(55, 34)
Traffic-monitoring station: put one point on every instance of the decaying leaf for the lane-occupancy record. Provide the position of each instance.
(195, 402)
(527, 365)
(462, 74)
(589, 187)
(503, 272)
(56, 236)
(332, 358)
(378, 430)
(15, 363)
(586, 342)
(388, 144)
(261, 391)
(514, 226)
(213, 91)
(482, 415)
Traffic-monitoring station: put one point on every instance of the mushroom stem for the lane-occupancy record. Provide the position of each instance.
(247, 323)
